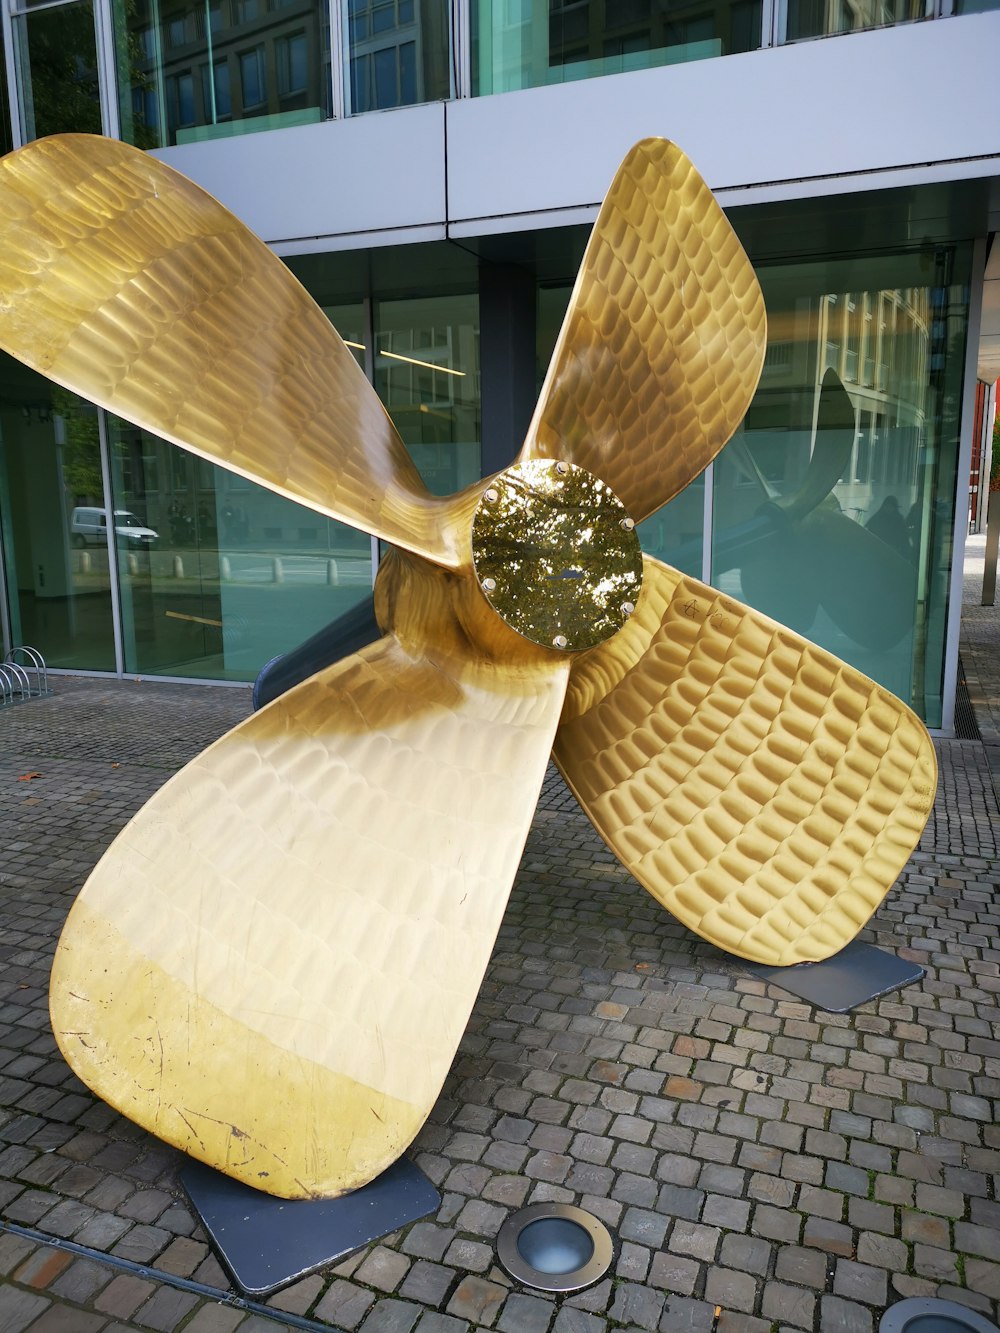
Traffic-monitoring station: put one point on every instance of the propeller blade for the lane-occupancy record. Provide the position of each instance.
(126, 283)
(272, 966)
(763, 791)
(663, 343)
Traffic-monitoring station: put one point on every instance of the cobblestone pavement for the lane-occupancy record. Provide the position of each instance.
(764, 1166)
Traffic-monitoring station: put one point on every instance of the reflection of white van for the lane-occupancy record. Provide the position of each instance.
(90, 527)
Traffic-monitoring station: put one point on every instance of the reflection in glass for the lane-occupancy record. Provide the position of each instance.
(821, 18)
(529, 43)
(427, 375)
(233, 575)
(398, 53)
(198, 69)
(58, 578)
(57, 56)
(834, 507)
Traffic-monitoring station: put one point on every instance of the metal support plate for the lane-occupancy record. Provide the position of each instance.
(855, 975)
(266, 1243)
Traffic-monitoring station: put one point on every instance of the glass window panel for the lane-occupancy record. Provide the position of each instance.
(821, 18)
(360, 95)
(408, 73)
(253, 78)
(383, 17)
(524, 44)
(398, 54)
(156, 111)
(386, 82)
(58, 68)
(219, 575)
(432, 391)
(53, 524)
(292, 64)
(863, 570)
(223, 104)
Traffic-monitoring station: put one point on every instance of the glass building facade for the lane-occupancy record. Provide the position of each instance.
(228, 575)
(164, 72)
(123, 553)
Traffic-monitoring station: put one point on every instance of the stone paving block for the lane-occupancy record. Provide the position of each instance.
(683, 1315)
(214, 1318)
(383, 1268)
(806, 1268)
(790, 1305)
(841, 1316)
(124, 1295)
(165, 1309)
(344, 1304)
(477, 1300)
(67, 1319)
(525, 1314)
(634, 1304)
(832, 1237)
(730, 1289)
(19, 1308)
(427, 1282)
(983, 1277)
(860, 1282)
(42, 1268)
(569, 1320)
(674, 1273)
(392, 1316)
(81, 1280)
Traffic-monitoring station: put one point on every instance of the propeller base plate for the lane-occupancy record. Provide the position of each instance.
(556, 554)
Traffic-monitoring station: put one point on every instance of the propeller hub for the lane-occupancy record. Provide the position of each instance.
(556, 554)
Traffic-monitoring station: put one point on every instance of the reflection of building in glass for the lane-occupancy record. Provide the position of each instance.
(525, 43)
(878, 344)
(220, 62)
(443, 243)
(398, 53)
(817, 18)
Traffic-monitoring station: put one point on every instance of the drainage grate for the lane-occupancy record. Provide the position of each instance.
(966, 726)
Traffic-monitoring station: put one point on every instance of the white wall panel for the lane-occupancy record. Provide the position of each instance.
(375, 173)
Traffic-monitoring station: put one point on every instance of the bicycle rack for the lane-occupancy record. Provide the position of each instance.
(15, 676)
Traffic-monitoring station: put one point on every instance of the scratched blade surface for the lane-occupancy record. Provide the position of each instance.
(273, 964)
(127, 283)
(766, 793)
(663, 342)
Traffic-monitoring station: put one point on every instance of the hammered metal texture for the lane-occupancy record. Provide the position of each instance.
(128, 284)
(556, 554)
(663, 343)
(273, 964)
(763, 791)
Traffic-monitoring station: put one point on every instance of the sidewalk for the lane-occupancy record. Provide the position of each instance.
(764, 1166)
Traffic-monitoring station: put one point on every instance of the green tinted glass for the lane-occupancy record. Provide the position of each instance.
(834, 506)
(53, 522)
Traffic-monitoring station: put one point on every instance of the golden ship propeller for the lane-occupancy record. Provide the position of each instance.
(272, 965)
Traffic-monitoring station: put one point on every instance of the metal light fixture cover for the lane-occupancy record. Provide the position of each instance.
(274, 962)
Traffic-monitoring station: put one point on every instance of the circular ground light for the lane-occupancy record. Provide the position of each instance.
(554, 1247)
(921, 1315)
